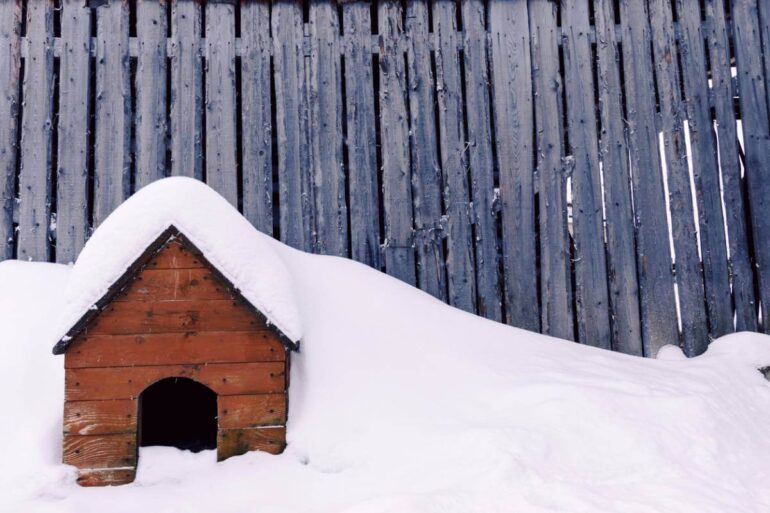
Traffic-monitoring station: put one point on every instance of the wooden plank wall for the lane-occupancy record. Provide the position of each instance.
(598, 170)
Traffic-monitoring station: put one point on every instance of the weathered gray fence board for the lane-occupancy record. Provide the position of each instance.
(221, 111)
(621, 256)
(555, 275)
(150, 92)
(513, 118)
(656, 290)
(688, 269)
(256, 118)
(112, 152)
(729, 161)
(74, 112)
(426, 169)
(454, 164)
(35, 174)
(444, 142)
(592, 303)
(328, 175)
(481, 160)
(753, 107)
(186, 90)
(10, 66)
(705, 170)
(361, 134)
(394, 135)
(294, 194)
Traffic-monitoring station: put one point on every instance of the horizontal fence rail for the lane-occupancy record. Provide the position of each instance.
(598, 170)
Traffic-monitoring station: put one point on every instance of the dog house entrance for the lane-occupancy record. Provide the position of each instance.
(178, 412)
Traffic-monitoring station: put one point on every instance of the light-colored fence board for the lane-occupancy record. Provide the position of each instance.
(503, 156)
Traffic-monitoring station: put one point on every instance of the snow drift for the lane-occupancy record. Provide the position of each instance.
(399, 403)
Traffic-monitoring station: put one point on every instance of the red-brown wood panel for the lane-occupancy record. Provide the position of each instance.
(100, 417)
(175, 256)
(174, 285)
(232, 442)
(246, 411)
(89, 384)
(124, 318)
(106, 477)
(175, 348)
(100, 451)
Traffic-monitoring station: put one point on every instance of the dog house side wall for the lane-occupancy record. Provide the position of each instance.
(174, 319)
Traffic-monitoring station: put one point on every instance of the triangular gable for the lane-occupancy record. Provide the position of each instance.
(152, 251)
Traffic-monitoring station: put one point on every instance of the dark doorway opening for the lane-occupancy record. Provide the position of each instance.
(178, 412)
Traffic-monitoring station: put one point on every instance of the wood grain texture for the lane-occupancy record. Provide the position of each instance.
(256, 119)
(91, 350)
(100, 451)
(221, 161)
(175, 255)
(233, 442)
(361, 135)
(106, 477)
(656, 286)
(752, 90)
(150, 86)
(250, 411)
(112, 151)
(555, 276)
(398, 247)
(74, 113)
(461, 278)
(36, 127)
(186, 90)
(733, 185)
(592, 302)
(427, 175)
(91, 384)
(484, 214)
(10, 72)
(100, 417)
(175, 285)
(621, 251)
(514, 127)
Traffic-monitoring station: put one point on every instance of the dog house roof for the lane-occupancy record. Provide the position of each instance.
(242, 255)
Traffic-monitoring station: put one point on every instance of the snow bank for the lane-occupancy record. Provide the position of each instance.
(399, 403)
(241, 253)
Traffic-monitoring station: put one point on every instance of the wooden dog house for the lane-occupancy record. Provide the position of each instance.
(172, 354)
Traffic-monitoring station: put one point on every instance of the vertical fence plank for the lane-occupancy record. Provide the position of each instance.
(590, 265)
(729, 161)
(688, 269)
(288, 57)
(705, 170)
(656, 288)
(394, 132)
(150, 92)
(460, 264)
(621, 256)
(480, 160)
(35, 175)
(186, 90)
(555, 275)
(112, 152)
(74, 92)
(256, 117)
(426, 170)
(513, 118)
(361, 134)
(326, 130)
(753, 106)
(10, 69)
(221, 137)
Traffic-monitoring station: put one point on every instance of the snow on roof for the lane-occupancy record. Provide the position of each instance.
(227, 240)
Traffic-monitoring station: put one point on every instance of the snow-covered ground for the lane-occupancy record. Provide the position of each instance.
(399, 403)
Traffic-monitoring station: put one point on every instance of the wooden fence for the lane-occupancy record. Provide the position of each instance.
(572, 167)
